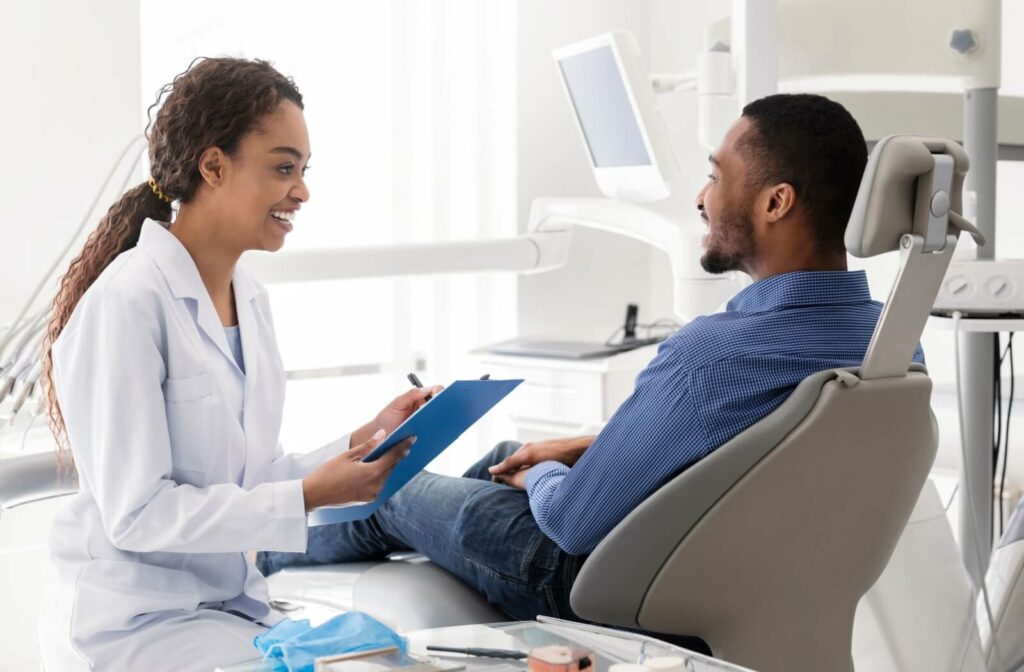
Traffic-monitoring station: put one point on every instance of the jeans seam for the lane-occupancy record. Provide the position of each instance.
(529, 556)
(475, 563)
(549, 594)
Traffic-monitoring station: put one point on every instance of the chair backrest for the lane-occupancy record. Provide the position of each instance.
(764, 548)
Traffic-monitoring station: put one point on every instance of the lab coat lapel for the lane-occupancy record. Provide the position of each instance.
(209, 322)
(178, 267)
(246, 292)
(248, 326)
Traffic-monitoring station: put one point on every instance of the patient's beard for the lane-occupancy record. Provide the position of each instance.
(729, 243)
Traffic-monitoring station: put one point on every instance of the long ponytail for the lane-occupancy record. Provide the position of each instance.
(117, 232)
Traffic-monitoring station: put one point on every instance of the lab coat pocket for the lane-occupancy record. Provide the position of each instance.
(190, 423)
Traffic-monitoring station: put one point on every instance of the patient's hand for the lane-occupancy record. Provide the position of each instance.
(517, 479)
(566, 451)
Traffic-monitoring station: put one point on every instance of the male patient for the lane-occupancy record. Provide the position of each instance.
(519, 524)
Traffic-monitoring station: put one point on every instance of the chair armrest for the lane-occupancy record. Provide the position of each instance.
(31, 478)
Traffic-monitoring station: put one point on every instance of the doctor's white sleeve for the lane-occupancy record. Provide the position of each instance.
(299, 465)
(108, 370)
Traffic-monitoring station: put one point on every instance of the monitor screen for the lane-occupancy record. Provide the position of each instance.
(602, 105)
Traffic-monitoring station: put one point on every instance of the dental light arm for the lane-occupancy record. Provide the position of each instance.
(544, 248)
(694, 291)
(529, 253)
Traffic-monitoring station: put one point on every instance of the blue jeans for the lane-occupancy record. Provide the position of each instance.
(480, 531)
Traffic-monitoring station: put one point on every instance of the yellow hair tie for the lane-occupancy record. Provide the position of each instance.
(159, 194)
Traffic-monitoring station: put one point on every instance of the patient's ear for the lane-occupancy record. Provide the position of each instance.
(781, 199)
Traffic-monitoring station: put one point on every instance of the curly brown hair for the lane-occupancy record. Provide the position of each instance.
(216, 102)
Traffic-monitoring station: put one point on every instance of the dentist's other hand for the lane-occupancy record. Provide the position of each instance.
(346, 478)
(566, 451)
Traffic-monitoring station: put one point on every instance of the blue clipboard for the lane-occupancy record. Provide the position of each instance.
(436, 425)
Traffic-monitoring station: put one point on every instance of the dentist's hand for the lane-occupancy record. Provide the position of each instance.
(346, 478)
(396, 412)
(566, 451)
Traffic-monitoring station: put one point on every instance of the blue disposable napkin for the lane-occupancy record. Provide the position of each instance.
(295, 645)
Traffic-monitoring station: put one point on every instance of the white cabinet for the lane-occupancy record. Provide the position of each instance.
(566, 397)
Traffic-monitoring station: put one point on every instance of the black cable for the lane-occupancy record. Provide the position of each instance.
(997, 401)
(997, 434)
(1006, 436)
(997, 429)
(664, 323)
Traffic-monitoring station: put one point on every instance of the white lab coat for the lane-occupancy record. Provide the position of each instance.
(150, 554)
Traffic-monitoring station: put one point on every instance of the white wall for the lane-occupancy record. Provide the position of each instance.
(69, 106)
(608, 270)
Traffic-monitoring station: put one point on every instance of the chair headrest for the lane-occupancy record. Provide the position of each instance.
(890, 204)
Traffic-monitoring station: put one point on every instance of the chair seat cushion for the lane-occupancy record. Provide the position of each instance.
(406, 595)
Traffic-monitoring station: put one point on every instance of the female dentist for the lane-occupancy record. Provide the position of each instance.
(164, 378)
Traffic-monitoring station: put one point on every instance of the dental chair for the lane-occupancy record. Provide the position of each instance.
(1005, 581)
(30, 488)
(764, 548)
(32, 478)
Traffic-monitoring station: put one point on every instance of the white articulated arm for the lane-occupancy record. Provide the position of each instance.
(543, 248)
(523, 254)
(695, 291)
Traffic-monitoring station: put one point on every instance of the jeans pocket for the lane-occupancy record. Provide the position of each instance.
(541, 561)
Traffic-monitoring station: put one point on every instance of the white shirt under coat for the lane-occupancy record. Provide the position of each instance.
(178, 460)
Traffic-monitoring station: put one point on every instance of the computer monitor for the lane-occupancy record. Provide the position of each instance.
(618, 120)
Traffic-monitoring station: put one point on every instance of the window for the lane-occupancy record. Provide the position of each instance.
(410, 109)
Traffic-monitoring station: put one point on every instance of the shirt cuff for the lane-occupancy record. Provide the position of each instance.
(289, 517)
(539, 472)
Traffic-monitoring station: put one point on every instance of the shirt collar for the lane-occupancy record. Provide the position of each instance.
(802, 288)
(177, 265)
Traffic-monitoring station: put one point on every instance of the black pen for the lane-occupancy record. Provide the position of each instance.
(486, 653)
(415, 380)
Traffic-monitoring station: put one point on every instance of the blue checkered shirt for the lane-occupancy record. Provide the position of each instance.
(711, 380)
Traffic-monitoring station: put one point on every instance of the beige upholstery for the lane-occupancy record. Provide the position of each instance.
(774, 571)
(888, 197)
(771, 573)
(406, 594)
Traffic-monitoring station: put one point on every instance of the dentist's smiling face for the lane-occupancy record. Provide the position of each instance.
(263, 183)
(725, 204)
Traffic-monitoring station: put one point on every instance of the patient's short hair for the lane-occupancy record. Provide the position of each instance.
(813, 144)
